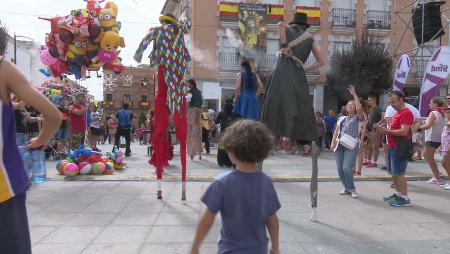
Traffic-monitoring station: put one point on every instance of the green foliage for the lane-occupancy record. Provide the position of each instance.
(142, 118)
(367, 65)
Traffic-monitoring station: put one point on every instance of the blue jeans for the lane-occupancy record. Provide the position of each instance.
(397, 165)
(345, 161)
(21, 138)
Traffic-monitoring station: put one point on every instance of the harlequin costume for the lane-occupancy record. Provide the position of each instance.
(171, 57)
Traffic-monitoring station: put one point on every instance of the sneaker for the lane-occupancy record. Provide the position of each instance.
(383, 167)
(400, 202)
(391, 198)
(354, 194)
(365, 163)
(435, 181)
(447, 188)
(344, 192)
(445, 184)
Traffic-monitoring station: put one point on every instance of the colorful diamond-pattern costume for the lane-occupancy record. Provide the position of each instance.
(171, 57)
(169, 51)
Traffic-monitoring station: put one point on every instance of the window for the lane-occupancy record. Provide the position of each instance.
(144, 82)
(341, 46)
(379, 5)
(345, 4)
(127, 97)
(272, 46)
(109, 97)
(143, 98)
(271, 1)
(309, 3)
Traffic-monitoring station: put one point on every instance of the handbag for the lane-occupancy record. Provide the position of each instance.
(404, 148)
(348, 141)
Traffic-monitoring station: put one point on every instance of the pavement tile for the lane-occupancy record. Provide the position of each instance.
(174, 219)
(171, 234)
(123, 234)
(151, 248)
(112, 248)
(37, 233)
(69, 248)
(411, 232)
(439, 228)
(138, 206)
(72, 234)
(91, 219)
(135, 219)
(106, 205)
(183, 207)
(67, 207)
(50, 219)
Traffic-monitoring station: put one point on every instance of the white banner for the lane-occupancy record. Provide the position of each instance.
(435, 76)
(401, 74)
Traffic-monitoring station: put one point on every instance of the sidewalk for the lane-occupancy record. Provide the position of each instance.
(280, 166)
(125, 217)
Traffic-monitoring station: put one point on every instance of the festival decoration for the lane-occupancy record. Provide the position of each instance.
(77, 42)
(401, 73)
(435, 76)
(85, 168)
(71, 169)
(171, 57)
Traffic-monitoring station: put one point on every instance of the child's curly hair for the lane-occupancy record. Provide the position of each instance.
(248, 140)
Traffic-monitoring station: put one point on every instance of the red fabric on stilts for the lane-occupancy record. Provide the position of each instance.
(180, 122)
(161, 124)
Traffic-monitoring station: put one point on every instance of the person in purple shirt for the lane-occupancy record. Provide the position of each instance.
(245, 197)
(330, 123)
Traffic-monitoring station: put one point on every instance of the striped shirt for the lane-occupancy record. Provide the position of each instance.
(13, 178)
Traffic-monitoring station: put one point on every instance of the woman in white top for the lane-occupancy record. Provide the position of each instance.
(433, 129)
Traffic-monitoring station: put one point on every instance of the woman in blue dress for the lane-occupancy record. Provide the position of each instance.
(248, 89)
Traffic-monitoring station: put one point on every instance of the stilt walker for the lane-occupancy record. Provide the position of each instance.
(287, 108)
(171, 58)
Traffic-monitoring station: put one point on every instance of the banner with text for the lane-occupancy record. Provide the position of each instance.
(401, 74)
(435, 76)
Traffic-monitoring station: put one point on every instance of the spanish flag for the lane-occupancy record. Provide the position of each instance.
(228, 9)
(312, 12)
(275, 11)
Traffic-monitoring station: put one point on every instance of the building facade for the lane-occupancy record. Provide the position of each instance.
(334, 25)
(135, 86)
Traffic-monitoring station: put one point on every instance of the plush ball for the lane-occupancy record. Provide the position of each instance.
(95, 157)
(98, 168)
(71, 169)
(109, 168)
(118, 166)
(60, 166)
(85, 168)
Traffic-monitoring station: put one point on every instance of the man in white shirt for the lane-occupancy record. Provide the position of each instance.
(94, 128)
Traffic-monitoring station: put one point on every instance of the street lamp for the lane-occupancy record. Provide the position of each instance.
(15, 45)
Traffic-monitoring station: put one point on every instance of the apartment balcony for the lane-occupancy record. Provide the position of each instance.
(343, 21)
(230, 62)
(378, 22)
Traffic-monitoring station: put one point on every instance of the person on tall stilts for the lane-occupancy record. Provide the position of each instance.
(171, 58)
(194, 138)
(287, 108)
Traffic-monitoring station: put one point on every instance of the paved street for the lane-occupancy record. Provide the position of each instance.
(120, 213)
(125, 217)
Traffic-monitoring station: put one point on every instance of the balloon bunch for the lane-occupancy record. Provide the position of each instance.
(86, 40)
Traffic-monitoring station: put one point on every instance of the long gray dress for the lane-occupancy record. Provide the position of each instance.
(288, 109)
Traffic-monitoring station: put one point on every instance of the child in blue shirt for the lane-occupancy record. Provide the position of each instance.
(246, 198)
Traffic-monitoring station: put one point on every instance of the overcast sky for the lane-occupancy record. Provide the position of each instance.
(21, 17)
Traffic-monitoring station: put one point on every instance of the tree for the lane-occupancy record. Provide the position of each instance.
(142, 118)
(367, 65)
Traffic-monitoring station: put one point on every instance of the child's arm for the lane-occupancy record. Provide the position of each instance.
(202, 230)
(273, 227)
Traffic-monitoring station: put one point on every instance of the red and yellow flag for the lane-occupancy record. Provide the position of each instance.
(275, 11)
(312, 12)
(228, 9)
